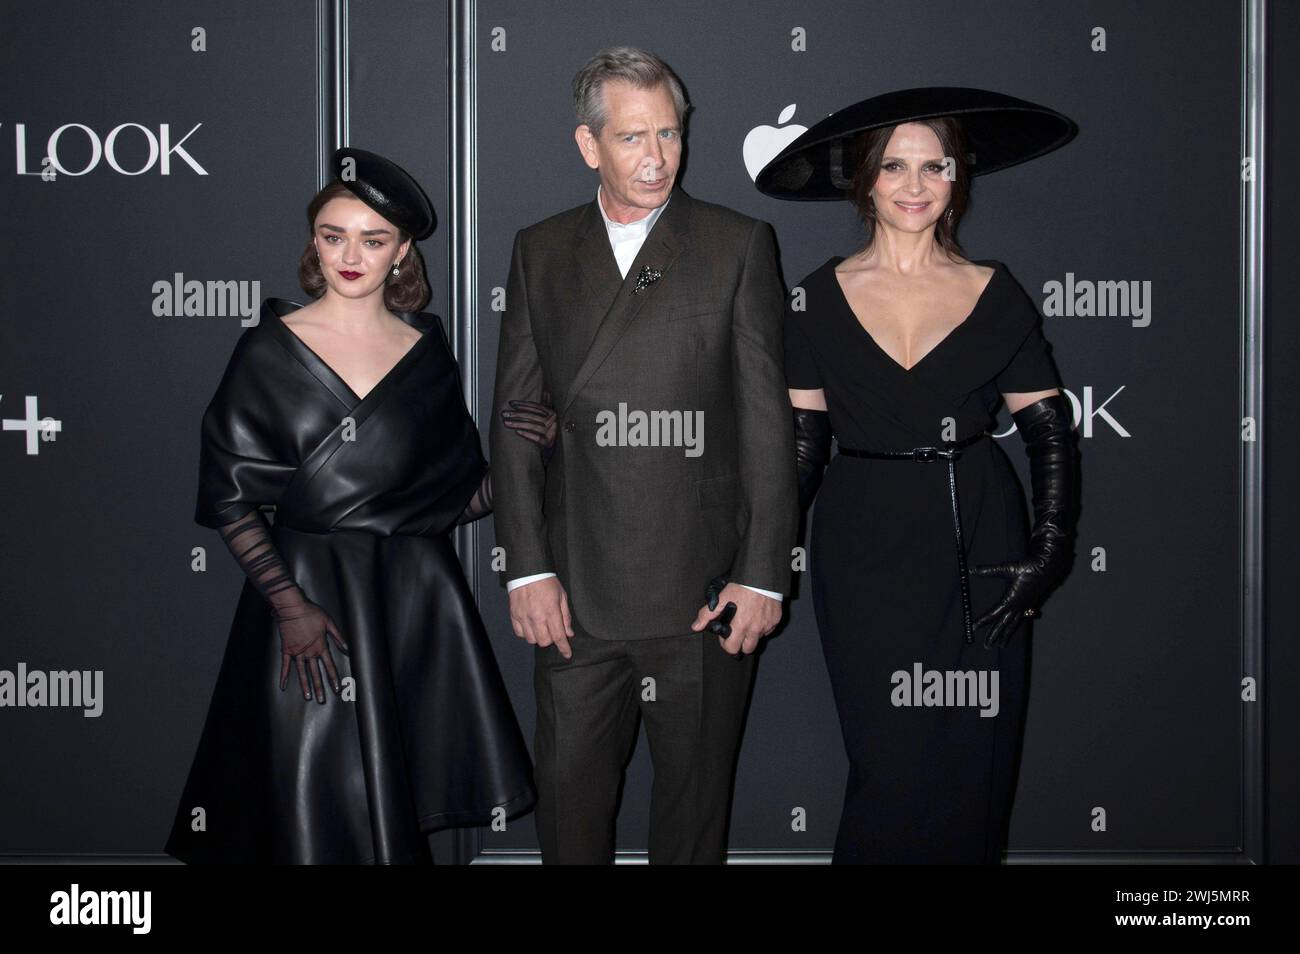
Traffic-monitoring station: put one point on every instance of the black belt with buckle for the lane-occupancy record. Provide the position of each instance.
(949, 451)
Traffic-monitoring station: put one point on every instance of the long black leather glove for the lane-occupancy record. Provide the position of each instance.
(532, 421)
(303, 625)
(812, 447)
(1049, 442)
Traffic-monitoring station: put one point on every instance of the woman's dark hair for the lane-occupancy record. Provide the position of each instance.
(869, 150)
(407, 291)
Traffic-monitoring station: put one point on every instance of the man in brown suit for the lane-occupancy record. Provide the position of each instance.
(654, 320)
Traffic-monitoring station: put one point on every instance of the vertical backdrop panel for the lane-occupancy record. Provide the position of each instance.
(1282, 423)
(184, 146)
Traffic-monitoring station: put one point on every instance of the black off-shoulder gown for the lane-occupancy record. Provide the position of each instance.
(927, 784)
(366, 493)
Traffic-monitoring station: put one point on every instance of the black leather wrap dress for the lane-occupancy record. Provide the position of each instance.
(366, 492)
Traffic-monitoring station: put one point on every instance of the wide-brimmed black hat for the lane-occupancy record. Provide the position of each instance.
(388, 189)
(1000, 130)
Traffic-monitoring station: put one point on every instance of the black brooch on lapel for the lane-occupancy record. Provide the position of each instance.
(647, 278)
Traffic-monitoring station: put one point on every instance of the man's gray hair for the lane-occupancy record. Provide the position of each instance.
(642, 69)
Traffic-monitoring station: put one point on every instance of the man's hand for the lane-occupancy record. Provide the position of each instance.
(756, 616)
(539, 613)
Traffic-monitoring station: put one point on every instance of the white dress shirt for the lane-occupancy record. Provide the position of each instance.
(626, 240)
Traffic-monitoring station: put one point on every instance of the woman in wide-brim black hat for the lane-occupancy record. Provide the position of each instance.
(346, 415)
(925, 573)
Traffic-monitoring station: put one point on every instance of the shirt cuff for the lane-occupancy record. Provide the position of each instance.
(523, 580)
(776, 596)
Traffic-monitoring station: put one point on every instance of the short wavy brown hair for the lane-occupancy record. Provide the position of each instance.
(408, 291)
(869, 150)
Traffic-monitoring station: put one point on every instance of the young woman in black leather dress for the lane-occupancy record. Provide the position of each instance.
(347, 415)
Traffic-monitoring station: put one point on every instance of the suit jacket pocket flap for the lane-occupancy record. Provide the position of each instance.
(697, 309)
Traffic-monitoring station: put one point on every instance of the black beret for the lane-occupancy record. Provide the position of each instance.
(387, 188)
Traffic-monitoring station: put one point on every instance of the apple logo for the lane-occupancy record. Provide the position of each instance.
(764, 143)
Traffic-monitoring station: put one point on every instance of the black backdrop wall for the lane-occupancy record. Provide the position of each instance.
(1136, 702)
